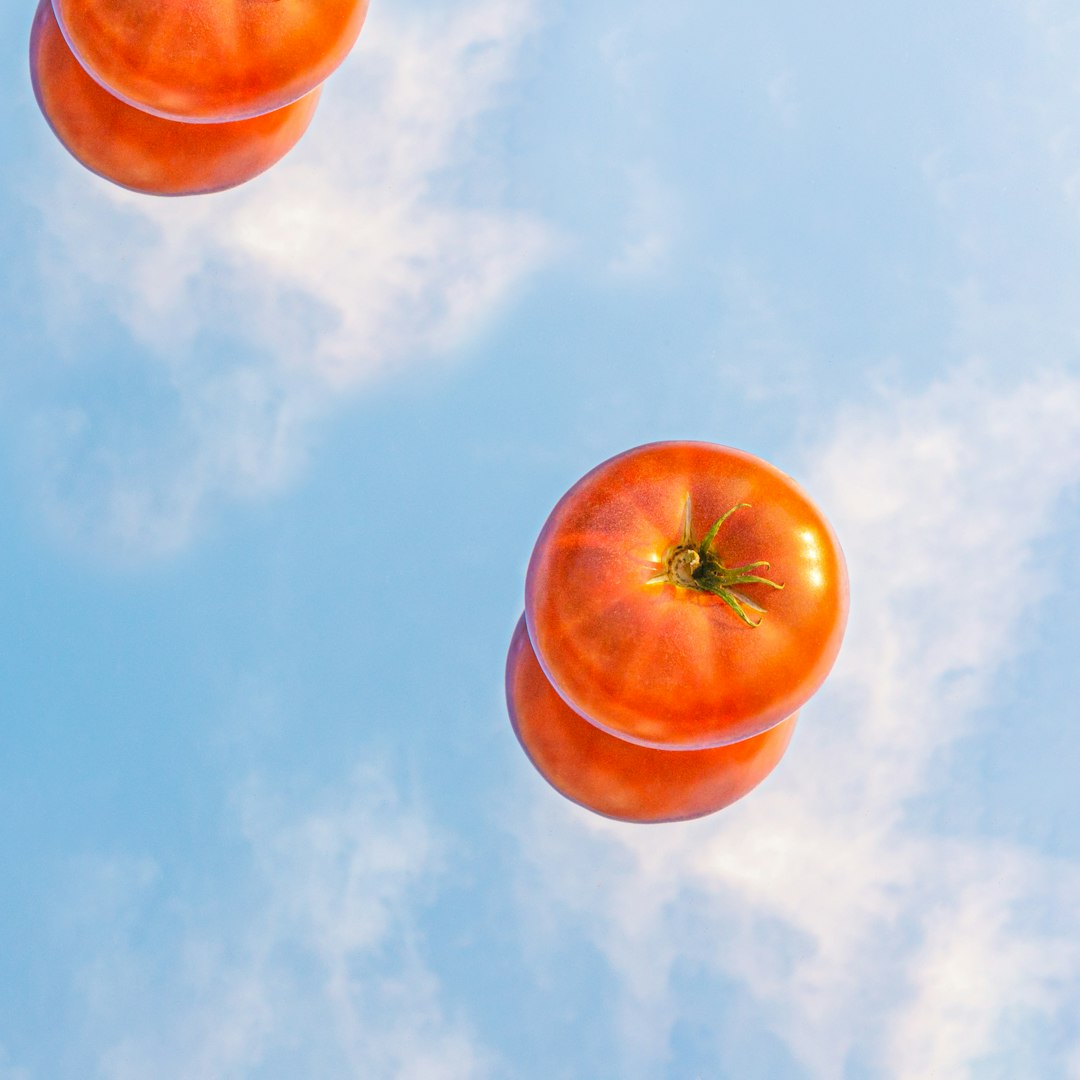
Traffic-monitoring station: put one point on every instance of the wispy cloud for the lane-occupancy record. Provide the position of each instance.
(821, 894)
(361, 254)
(651, 226)
(311, 965)
(986, 976)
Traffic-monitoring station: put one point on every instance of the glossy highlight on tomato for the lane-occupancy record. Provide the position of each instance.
(620, 779)
(146, 153)
(210, 60)
(665, 633)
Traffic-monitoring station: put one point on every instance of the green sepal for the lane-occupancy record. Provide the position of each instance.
(710, 536)
(712, 576)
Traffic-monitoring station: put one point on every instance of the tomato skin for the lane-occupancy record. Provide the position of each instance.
(621, 779)
(210, 60)
(146, 153)
(666, 666)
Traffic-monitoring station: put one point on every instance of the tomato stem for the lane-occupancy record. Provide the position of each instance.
(687, 565)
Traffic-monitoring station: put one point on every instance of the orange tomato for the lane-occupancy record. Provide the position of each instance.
(144, 152)
(621, 779)
(210, 60)
(686, 595)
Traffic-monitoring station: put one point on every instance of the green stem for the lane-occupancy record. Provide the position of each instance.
(697, 566)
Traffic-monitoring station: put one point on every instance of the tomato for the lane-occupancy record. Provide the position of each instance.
(621, 779)
(144, 152)
(210, 60)
(684, 595)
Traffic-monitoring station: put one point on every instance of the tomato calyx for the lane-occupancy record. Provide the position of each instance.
(690, 565)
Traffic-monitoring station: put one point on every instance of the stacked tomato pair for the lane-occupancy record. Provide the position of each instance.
(184, 97)
(658, 670)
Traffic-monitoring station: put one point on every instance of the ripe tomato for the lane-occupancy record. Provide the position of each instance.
(621, 779)
(210, 60)
(144, 152)
(671, 638)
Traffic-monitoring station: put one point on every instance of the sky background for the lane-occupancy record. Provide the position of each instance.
(272, 463)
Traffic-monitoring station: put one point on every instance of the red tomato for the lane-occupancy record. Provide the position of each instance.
(684, 629)
(144, 152)
(210, 60)
(621, 779)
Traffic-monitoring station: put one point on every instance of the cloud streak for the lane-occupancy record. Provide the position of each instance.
(310, 965)
(358, 257)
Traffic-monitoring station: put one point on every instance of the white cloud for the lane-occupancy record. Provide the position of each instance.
(650, 228)
(982, 972)
(357, 256)
(310, 966)
(782, 93)
(819, 894)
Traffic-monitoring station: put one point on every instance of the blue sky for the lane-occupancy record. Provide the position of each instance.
(273, 462)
